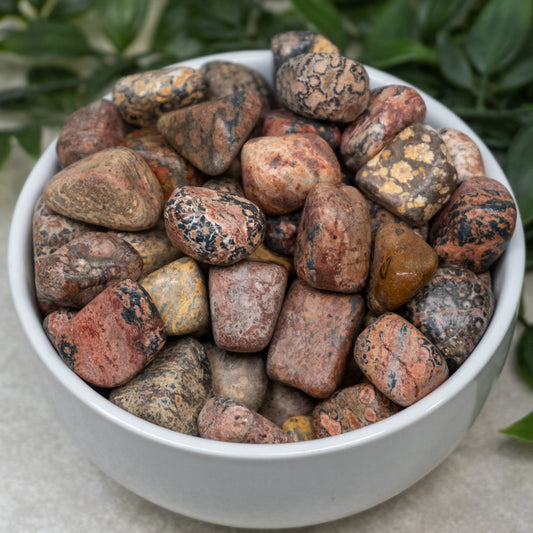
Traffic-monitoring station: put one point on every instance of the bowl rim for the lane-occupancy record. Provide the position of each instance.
(20, 270)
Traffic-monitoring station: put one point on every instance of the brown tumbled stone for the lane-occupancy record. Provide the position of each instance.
(334, 240)
(401, 362)
(172, 389)
(282, 231)
(278, 172)
(351, 408)
(299, 428)
(263, 254)
(245, 301)
(114, 188)
(90, 129)
(464, 152)
(226, 420)
(54, 321)
(210, 134)
(313, 336)
(225, 184)
(402, 263)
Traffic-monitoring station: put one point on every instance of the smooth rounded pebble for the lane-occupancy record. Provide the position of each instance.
(54, 321)
(379, 216)
(281, 232)
(299, 428)
(464, 152)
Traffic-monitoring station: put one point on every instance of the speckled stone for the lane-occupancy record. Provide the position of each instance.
(114, 188)
(81, 269)
(464, 152)
(334, 240)
(54, 321)
(210, 134)
(282, 121)
(278, 172)
(225, 184)
(299, 428)
(282, 231)
(213, 227)
(313, 336)
(390, 109)
(401, 362)
(264, 255)
(170, 168)
(453, 311)
(90, 129)
(351, 408)
(172, 389)
(402, 263)
(113, 337)
(413, 176)
(226, 420)
(379, 216)
(323, 87)
(474, 228)
(238, 377)
(179, 292)
(142, 98)
(245, 300)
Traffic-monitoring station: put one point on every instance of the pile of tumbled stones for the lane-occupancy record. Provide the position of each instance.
(265, 266)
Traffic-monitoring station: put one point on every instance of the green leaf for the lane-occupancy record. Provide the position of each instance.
(5, 147)
(37, 4)
(524, 355)
(397, 20)
(169, 25)
(436, 15)
(498, 33)
(8, 7)
(65, 9)
(517, 75)
(523, 429)
(388, 53)
(454, 64)
(30, 139)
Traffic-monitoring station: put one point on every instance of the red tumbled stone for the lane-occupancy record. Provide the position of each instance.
(464, 152)
(54, 321)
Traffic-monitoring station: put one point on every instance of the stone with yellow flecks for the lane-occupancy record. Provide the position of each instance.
(299, 428)
(179, 292)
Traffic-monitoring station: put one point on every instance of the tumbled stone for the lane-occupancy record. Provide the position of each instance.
(390, 109)
(81, 269)
(226, 420)
(299, 428)
(172, 389)
(141, 98)
(313, 336)
(179, 292)
(90, 129)
(225, 184)
(464, 152)
(453, 311)
(401, 362)
(245, 300)
(170, 168)
(323, 87)
(214, 227)
(236, 376)
(474, 228)
(282, 121)
(278, 172)
(54, 321)
(334, 240)
(379, 216)
(281, 232)
(351, 408)
(265, 255)
(402, 263)
(210, 134)
(413, 176)
(113, 337)
(114, 188)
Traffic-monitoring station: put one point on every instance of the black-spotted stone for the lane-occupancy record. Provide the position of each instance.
(172, 390)
(281, 232)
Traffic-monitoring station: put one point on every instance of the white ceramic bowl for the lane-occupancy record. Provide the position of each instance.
(281, 485)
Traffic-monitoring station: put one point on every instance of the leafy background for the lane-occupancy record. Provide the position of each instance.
(475, 56)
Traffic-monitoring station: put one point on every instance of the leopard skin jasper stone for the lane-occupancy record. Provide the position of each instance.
(323, 87)
(170, 168)
(313, 336)
(453, 311)
(172, 389)
(390, 109)
(113, 337)
(236, 376)
(282, 121)
(225, 420)
(399, 360)
(245, 300)
(299, 428)
(402, 263)
(379, 216)
(142, 98)
(293, 43)
(90, 129)
(351, 408)
(211, 134)
(81, 269)
(464, 152)
(225, 184)
(279, 171)
(214, 227)
(334, 240)
(265, 255)
(282, 231)
(413, 176)
(179, 292)
(114, 188)
(54, 321)
(474, 228)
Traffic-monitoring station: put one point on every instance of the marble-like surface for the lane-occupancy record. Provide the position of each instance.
(47, 484)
